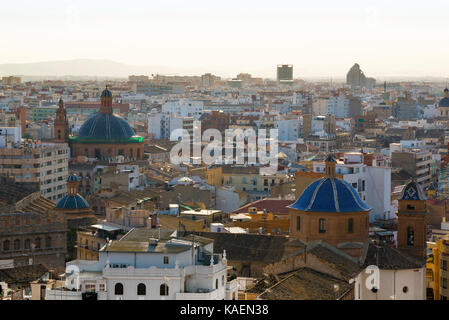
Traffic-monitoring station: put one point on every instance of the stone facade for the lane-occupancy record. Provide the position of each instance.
(32, 237)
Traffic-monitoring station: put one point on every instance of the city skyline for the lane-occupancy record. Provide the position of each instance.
(321, 40)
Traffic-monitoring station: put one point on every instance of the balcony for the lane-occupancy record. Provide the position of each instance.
(212, 295)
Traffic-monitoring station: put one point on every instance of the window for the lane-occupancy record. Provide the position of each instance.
(118, 289)
(27, 244)
(444, 265)
(350, 225)
(410, 236)
(38, 243)
(444, 283)
(90, 287)
(163, 290)
(322, 226)
(141, 289)
(405, 289)
(216, 283)
(222, 281)
(6, 245)
(165, 260)
(298, 223)
(17, 244)
(48, 242)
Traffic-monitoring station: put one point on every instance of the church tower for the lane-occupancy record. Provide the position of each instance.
(412, 220)
(61, 125)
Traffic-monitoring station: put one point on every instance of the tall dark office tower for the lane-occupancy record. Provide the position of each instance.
(284, 72)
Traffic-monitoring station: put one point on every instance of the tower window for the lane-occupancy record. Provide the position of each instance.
(298, 223)
(350, 225)
(322, 225)
(410, 236)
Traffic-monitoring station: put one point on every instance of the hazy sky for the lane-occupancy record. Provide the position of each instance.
(320, 38)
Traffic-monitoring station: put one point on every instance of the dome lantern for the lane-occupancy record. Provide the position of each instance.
(106, 101)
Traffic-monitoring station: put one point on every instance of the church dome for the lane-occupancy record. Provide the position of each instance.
(72, 202)
(105, 127)
(72, 178)
(412, 191)
(106, 93)
(330, 195)
(445, 101)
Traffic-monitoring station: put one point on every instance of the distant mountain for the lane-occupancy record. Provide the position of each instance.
(87, 67)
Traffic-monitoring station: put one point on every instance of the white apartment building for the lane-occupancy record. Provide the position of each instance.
(288, 129)
(184, 108)
(161, 125)
(338, 106)
(148, 264)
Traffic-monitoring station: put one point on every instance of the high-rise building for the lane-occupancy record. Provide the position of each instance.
(356, 78)
(285, 72)
(36, 162)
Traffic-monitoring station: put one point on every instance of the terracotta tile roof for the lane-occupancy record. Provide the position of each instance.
(307, 284)
(22, 275)
(275, 206)
(389, 258)
(247, 247)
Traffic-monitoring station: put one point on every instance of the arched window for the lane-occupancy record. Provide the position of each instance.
(17, 244)
(6, 245)
(163, 290)
(350, 225)
(27, 244)
(118, 289)
(48, 242)
(141, 289)
(38, 243)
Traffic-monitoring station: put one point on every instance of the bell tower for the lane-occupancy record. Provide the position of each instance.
(61, 125)
(412, 221)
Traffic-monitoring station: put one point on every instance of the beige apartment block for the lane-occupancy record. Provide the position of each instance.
(31, 162)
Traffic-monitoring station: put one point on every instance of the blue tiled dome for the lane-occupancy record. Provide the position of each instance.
(105, 126)
(444, 102)
(72, 178)
(72, 202)
(330, 195)
(412, 191)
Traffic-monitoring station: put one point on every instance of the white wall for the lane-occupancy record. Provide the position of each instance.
(391, 285)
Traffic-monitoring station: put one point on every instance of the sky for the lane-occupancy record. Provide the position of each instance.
(320, 38)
